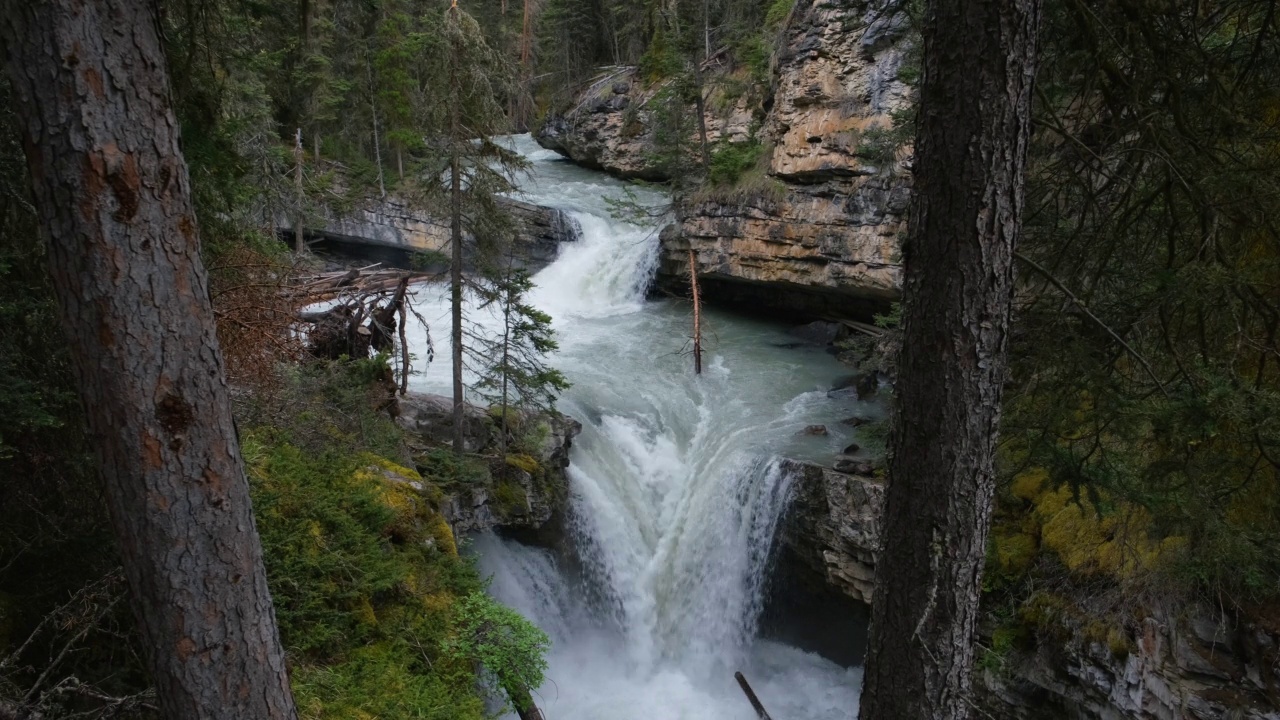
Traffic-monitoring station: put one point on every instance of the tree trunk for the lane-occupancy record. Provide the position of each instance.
(299, 244)
(965, 218)
(524, 110)
(113, 195)
(373, 112)
(697, 315)
(455, 268)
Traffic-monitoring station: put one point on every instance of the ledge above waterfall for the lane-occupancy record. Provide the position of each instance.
(394, 223)
(524, 488)
(832, 527)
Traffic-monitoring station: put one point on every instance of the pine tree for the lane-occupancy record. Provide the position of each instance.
(472, 78)
(517, 379)
(966, 215)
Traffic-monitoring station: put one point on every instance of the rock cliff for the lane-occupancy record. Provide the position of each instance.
(611, 126)
(832, 528)
(1191, 663)
(823, 237)
(392, 224)
(526, 491)
(1181, 662)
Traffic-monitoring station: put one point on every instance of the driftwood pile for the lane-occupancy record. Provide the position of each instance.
(369, 310)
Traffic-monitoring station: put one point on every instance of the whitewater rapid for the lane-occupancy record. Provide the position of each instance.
(675, 488)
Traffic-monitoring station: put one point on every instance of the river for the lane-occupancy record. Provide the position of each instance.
(675, 490)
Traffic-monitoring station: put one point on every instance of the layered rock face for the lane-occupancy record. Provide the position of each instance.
(1183, 663)
(833, 526)
(1193, 664)
(393, 224)
(526, 493)
(829, 243)
(611, 126)
(824, 238)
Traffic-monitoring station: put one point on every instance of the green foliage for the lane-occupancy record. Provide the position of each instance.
(363, 569)
(777, 13)
(662, 60)
(327, 406)
(514, 372)
(444, 466)
(729, 161)
(1151, 381)
(509, 647)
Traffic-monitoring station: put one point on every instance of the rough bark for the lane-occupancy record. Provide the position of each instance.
(113, 195)
(965, 218)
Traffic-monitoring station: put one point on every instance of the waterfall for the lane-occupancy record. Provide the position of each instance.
(676, 490)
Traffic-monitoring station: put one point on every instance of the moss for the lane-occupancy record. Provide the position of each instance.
(1028, 484)
(442, 534)
(1089, 541)
(777, 13)
(523, 462)
(1015, 551)
(365, 574)
(510, 498)
(382, 681)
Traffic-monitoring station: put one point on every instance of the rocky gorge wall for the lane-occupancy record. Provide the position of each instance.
(392, 224)
(1184, 661)
(824, 237)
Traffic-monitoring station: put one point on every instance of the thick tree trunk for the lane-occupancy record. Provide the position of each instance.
(965, 218)
(114, 200)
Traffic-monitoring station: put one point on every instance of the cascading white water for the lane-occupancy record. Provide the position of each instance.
(676, 491)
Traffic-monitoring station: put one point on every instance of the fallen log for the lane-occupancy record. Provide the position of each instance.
(751, 696)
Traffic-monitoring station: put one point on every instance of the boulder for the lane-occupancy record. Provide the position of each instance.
(818, 332)
(430, 419)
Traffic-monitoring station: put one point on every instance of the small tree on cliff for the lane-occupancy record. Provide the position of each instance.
(114, 201)
(517, 378)
(971, 142)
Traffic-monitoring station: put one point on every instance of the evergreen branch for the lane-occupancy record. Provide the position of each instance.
(1084, 309)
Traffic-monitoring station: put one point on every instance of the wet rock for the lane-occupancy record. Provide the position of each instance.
(395, 224)
(855, 421)
(852, 449)
(818, 332)
(883, 32)
(430, 419)
(854, 467)
(833, 526)
(815, 430)
(855, 387)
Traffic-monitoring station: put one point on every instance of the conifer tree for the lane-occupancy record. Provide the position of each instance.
(517, 378)
(471, 77)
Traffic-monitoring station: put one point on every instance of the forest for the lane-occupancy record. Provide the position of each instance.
(608, 359)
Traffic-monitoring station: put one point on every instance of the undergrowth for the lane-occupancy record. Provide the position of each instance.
(374, 603)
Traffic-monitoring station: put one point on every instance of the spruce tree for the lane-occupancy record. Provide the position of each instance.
(471, 77)
(517, 379)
